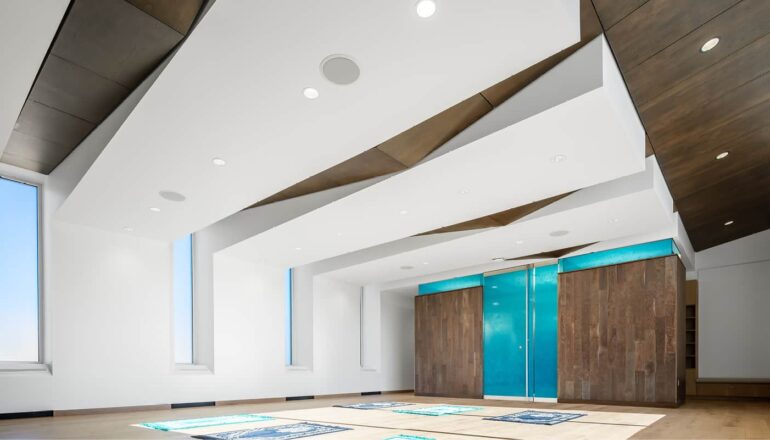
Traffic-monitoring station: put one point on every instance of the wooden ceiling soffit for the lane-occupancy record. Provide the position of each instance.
(695, 105)
(102, 51)
(415, 144)
(501, 218)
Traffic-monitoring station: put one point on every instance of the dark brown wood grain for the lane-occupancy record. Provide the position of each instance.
(448, 336)
(621, 333)
(695, 105)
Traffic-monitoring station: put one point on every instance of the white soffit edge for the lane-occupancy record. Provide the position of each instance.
(27, 28)
(591, 121)
(234, 90)
(624, 207)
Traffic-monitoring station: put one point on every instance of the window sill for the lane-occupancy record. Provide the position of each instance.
(298, 368)
(192, 369)
(25, 368)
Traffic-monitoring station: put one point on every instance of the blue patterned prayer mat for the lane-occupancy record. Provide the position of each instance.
(438, 410)
(537, 417)
(282, 432)
(409, 437)
(374, 405)
(174, 425)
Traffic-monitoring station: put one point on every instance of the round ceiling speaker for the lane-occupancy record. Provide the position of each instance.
(340, 69)
(172, 196)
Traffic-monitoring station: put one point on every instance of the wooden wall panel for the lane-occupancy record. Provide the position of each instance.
(621, 333)
(449, 342)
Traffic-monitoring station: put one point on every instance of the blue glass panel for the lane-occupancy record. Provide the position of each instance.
(505, 326)
(183, 300)
(544, 304)
(18, 272)
(288, 286)
(626, 254)
(451, 284)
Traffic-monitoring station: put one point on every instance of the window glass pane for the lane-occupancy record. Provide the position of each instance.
(18, 272)
(287, 317)
(183, 300)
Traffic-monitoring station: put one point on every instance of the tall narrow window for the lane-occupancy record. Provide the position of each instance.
(19, 278)
(183, 300)
(288, 286)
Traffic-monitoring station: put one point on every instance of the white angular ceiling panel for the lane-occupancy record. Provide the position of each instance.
(578, 112)
(235, 91)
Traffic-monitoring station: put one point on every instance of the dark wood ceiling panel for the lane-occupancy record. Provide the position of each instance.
(612, 11)
(590, 28)
(687, 176)
(33, 153)
(103, 49)
(178, 14)
(412, 145)
(369, 164)
(511, 215)
(743, 198)
(76, 90)
(657, 24)
(53, 125)
(114, 39)
(695, 105)
(737, 27)
(501, 218)
(711, 114)
(688, 103)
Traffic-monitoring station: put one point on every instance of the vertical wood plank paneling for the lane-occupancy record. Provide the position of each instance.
(621, 333)
(449, 344)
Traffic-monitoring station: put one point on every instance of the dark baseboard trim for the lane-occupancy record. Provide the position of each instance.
(620, 403)
(192, 405)
(289, 399)
(371, 393)
(26, 415)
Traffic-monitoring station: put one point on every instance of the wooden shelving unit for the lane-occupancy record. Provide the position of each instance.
(691, 337)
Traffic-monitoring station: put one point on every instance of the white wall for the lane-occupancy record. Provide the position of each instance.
(733, 302)
(109, 321)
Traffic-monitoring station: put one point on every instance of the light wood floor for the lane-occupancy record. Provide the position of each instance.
(702, 419)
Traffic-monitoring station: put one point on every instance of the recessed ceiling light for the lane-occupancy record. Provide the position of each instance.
(710, 44)
(498, 259)
(310, 93)
(425, 263)
(519, 241)
(407, 267)
(218, 162)
(558, 158)
(559, 233)
(403, 212)
(426, 8)
(154, 209)
(297, 248)
(172, 196)
(723, 154)
(729, 222)
(128, 229)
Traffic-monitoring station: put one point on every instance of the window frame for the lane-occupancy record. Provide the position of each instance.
(38, 364)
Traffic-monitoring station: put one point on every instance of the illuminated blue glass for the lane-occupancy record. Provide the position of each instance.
(451, 284)
(288, 286)
(543, 331)
(183, 300)
(19, 317)
(643, 251)
(505, 327)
